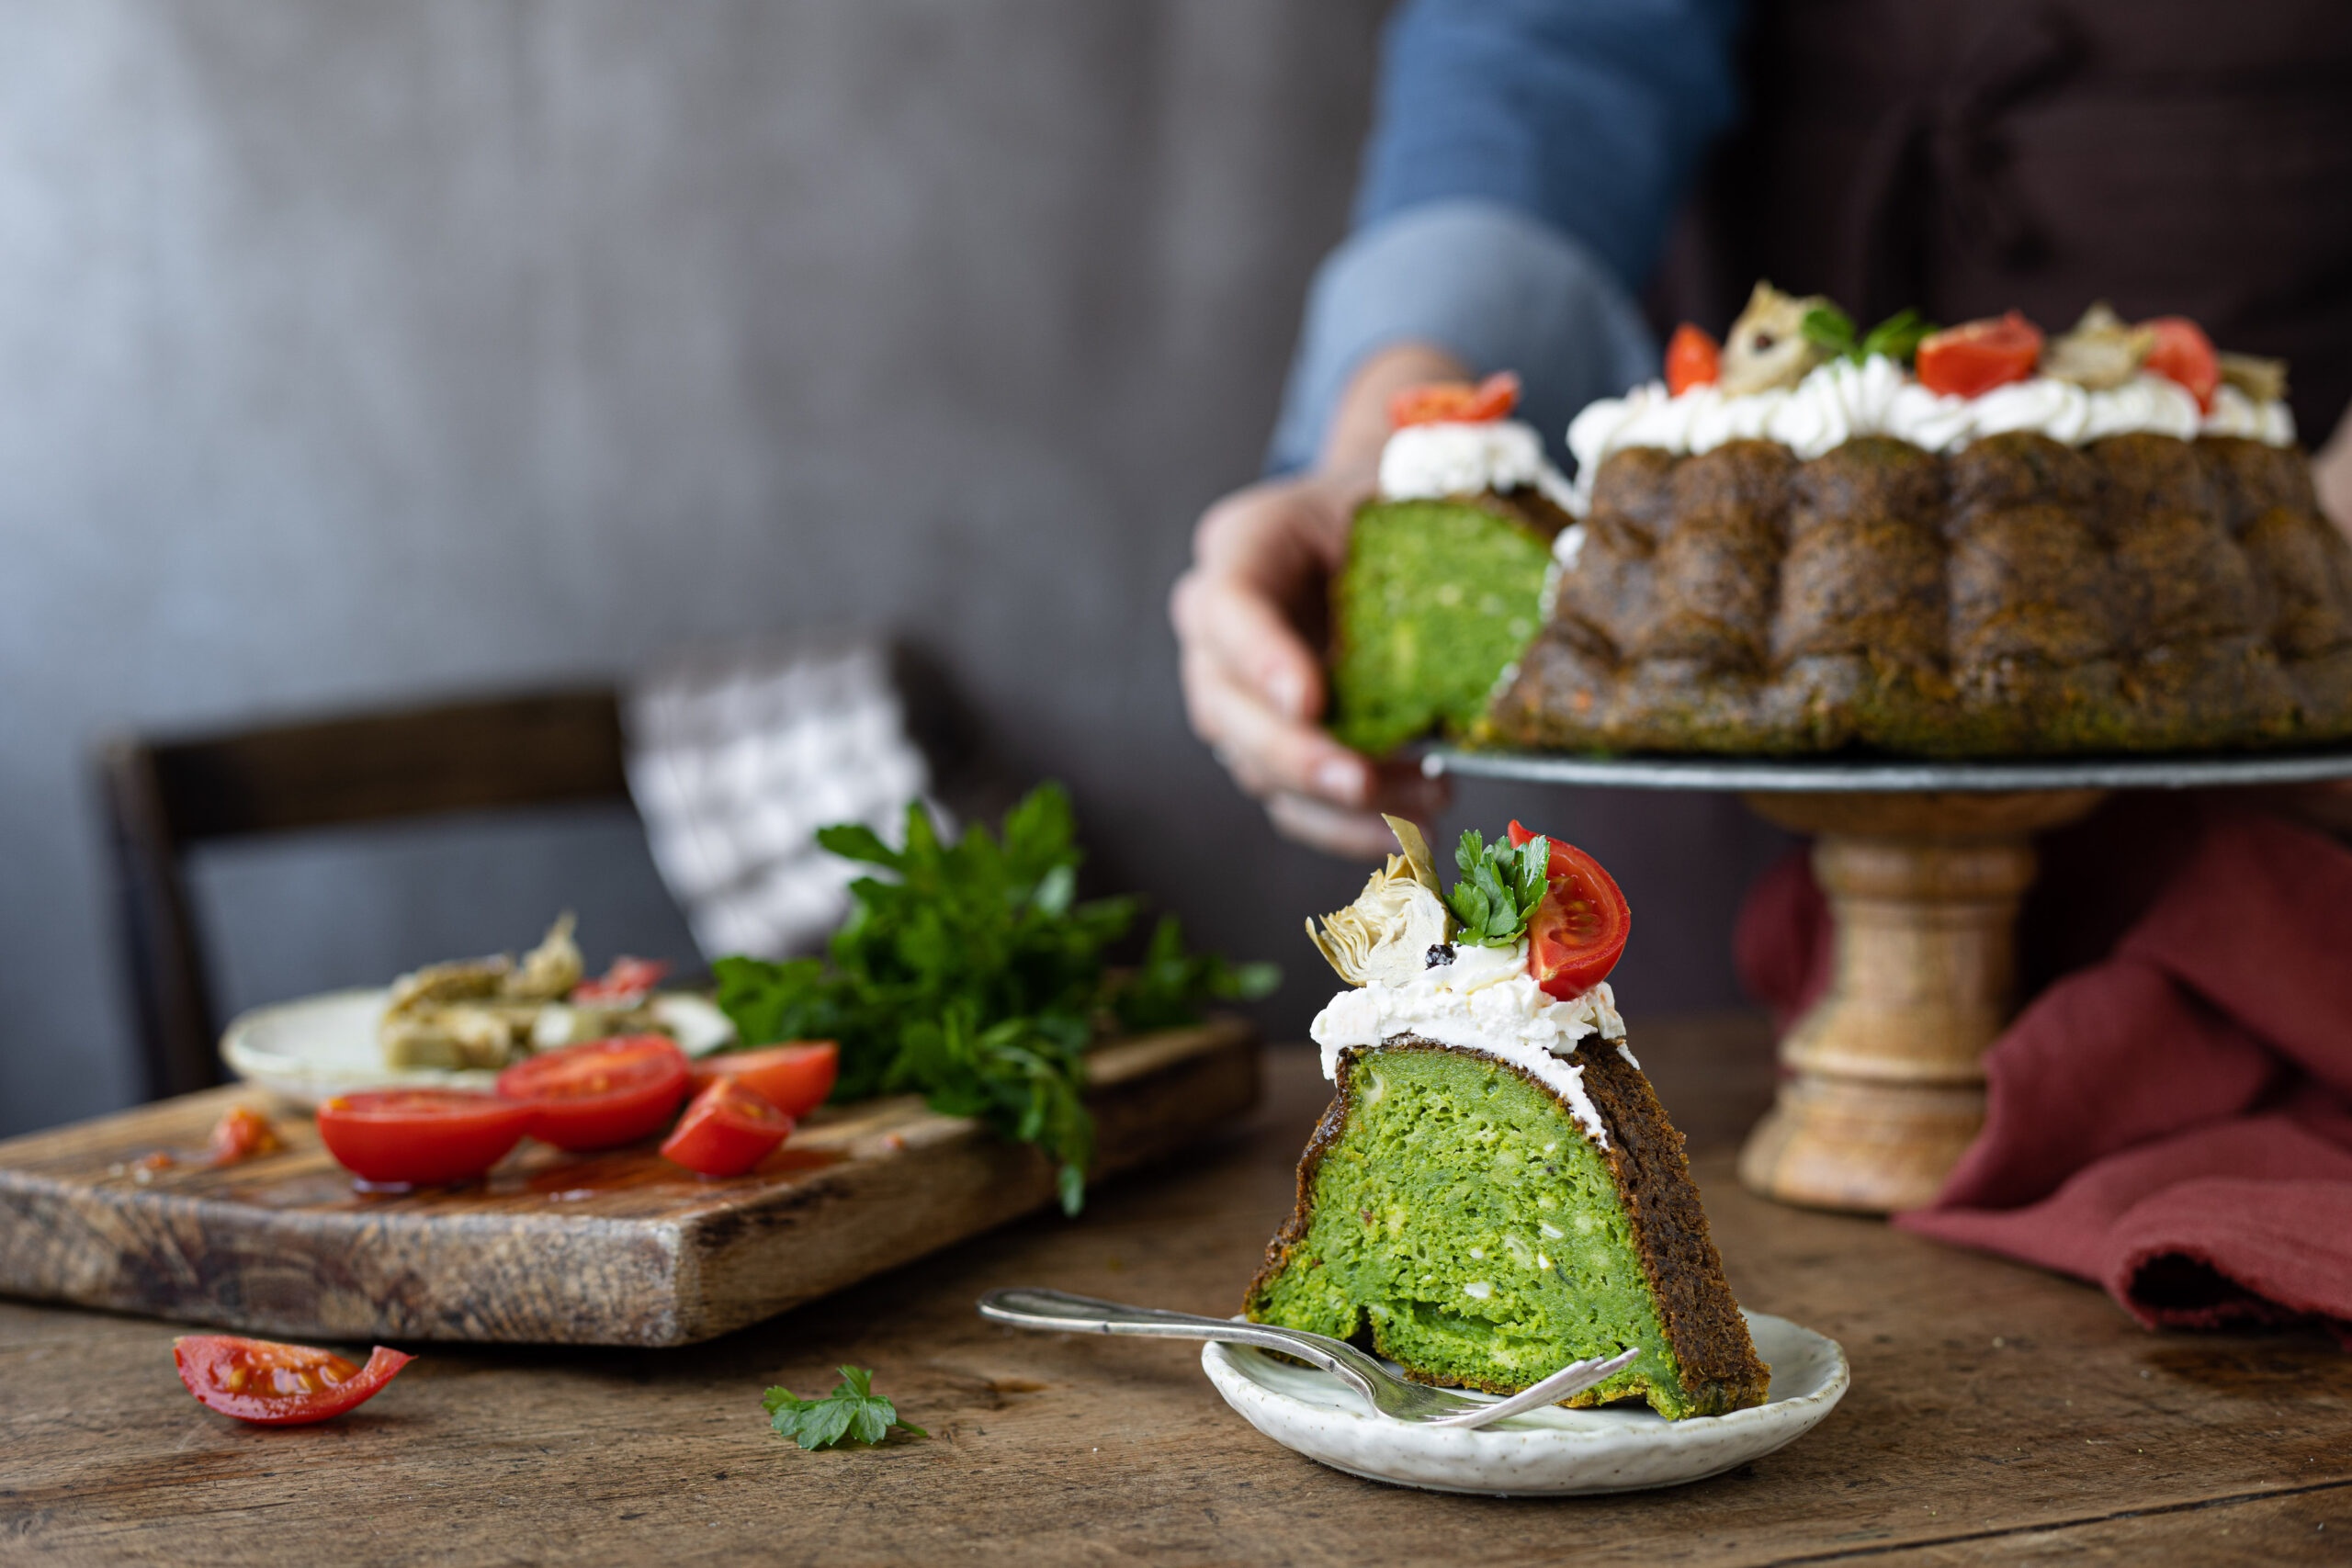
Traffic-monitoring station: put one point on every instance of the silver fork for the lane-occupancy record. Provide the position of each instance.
(1058, 1313)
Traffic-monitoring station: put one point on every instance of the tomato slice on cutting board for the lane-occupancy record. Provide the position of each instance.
(278, 1385)
(727, 1130)
(602, 1093)
(794, 1078)
(1578, 932)
(420, 1137)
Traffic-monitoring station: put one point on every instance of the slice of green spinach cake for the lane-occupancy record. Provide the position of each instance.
(1443, 587)
(1495, 1191)
(1451, 1209)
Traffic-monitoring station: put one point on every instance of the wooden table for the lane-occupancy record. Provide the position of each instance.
(1997, 1415)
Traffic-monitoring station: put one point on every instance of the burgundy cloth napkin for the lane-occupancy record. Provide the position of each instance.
(2174, 1120)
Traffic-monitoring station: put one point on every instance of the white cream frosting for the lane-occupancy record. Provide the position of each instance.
(1430, 462)
(1842, 399)
(1484, 1002)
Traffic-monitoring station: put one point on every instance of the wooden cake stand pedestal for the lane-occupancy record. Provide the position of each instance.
(1924, 865)
(1886, 1087)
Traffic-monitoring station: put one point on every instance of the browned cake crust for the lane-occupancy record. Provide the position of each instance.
(2141, 593)
(1529, 507)
(1703, 1326)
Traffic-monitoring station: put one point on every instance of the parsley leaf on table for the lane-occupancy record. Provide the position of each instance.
(853, 1412)
(971, 973)
(1499, 889)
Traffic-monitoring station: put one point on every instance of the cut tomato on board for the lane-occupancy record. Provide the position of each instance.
(242, 1133)
(278, 1385)
(602, 1093)
(420, 1137)
(727, 1130)
(794, 1078)
(1578, 932)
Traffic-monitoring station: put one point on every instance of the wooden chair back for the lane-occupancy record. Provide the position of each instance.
(163, 796)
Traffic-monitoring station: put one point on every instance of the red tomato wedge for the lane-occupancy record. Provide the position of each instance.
(1970, 359)
(1692, 359)
(2184, 353)
(1578, 932)
(727, 1130)
(624, 984)
(420, 1137)
(278, 1385)
(599, 1094)
(1456, 402)
(794, 1078)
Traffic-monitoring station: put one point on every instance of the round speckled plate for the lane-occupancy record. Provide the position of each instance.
(1549, 1452)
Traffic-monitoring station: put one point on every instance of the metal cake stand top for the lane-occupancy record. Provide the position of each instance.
(1889, 775)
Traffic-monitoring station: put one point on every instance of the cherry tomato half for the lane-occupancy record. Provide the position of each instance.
(1578, 932)
(278, 1385)
(1456, 402)
(794, 1078)
(624, 984)
(420, 1137)
(601, 1093)
(1970, 359)
(2184, 353)
(1692, 359)
(727, 1130)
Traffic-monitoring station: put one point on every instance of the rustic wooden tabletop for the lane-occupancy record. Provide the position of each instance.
(1997, 1415)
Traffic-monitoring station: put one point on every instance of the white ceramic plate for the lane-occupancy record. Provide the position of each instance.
(322, 1047)
(1548, 1452)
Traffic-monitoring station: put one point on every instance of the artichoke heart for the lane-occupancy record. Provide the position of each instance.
(1386, 935)
(1768, 348)
(2103, 351)
(2263, 380)
(550, 969)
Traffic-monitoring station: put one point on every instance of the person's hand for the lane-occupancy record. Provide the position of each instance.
(1263, 560)
(1250, 616)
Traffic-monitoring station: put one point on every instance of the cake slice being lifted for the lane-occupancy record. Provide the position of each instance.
(1496, 1191)
(1446, 566)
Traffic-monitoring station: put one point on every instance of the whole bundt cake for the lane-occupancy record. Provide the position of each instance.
(2107, 543)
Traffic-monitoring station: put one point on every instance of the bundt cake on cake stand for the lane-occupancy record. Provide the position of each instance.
(1921, 594)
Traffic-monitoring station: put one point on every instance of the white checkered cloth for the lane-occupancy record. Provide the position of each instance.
(737, 755)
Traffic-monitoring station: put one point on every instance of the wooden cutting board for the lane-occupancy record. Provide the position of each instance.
(616, 1248)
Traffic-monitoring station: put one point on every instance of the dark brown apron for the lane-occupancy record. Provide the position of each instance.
(2170, 156)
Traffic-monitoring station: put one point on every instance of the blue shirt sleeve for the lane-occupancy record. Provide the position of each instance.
(1588, 115)
(1526, 161)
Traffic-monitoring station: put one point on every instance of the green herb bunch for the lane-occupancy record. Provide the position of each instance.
(852, 1413)
(971, 974)
(1897, 337)
(1499, 888)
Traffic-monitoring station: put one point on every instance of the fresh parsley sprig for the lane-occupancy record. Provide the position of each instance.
(970, 972)
(1499, 889)
(1897, 337)
(852, 1413)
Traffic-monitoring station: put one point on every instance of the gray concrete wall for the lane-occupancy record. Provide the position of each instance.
(356, 352)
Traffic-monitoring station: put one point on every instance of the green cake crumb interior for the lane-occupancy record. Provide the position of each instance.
(1437, 598)
(1464, 1218)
